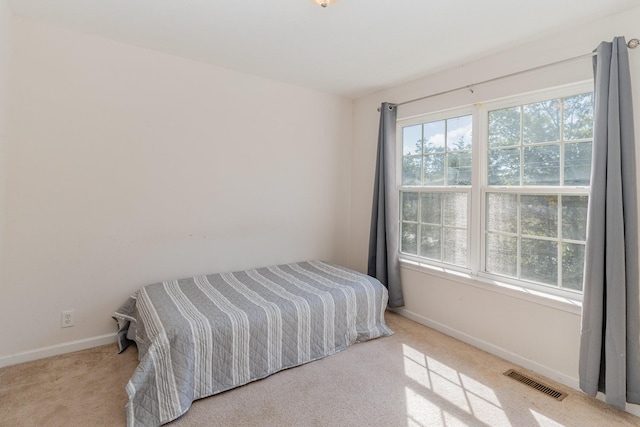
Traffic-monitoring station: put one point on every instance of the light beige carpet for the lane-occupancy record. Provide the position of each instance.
(417, 377)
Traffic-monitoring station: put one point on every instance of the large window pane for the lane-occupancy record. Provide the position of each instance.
(430, 241)
(541, 122)
(572, 266)
(578, 117)
(577, 163)
(434, 226)
(434, 137)
(504, 166)
(410, 207)
(541, 165)
(459, 168)
(412, 140)
(411, 168)
(434, 169)
(459, 133)
(539, 215)
(409, 243)
(502, 212)
(455, 246)
(539, 261)
(502, 254)
(536, 238)
(430, 208)
(574, 217)
(455, 209)
(504, 127)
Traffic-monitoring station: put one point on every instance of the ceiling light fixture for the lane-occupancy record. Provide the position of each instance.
(324, 3)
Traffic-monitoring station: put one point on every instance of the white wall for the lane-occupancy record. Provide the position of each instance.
(6, 37)
(129, 166)
(540, 337)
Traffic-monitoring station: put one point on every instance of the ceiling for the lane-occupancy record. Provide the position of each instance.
(352, 48)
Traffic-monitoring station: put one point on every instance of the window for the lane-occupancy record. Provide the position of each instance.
(435, 192)
(508, 202)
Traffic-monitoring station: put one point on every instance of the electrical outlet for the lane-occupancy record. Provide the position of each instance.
(68, 318)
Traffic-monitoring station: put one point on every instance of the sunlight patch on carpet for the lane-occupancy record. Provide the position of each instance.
(441, 393)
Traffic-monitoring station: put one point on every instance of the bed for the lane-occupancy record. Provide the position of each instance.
(203, 335)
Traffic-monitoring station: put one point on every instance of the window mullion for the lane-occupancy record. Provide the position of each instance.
(442, 213)
(519, 238)
(561, 126)
(521, 148)
(419, 227)
(559, 233)
(478, 184)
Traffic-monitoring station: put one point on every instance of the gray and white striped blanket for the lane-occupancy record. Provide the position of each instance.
(203, 335)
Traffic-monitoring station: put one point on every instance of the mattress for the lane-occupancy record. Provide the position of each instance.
(204, 335)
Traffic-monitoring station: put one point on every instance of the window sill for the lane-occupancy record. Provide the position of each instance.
(573, 306)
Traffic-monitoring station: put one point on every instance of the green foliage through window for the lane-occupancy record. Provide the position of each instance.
(545, 143)
(437, 153)
(529, 205)
(536, 237)
(539, 237)
(434, 226)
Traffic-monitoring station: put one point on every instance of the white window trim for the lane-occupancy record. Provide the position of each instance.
(434, 117)
(474, 275)
(570, 305)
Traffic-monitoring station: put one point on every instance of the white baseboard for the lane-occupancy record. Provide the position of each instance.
(54, 350)
(493, 349)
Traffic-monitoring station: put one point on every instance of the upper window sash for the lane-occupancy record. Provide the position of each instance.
(484, 109)
(434, 118)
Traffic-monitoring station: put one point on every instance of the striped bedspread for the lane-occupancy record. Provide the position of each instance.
(203, 335)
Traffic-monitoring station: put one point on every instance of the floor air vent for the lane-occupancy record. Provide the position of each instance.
(549, 391)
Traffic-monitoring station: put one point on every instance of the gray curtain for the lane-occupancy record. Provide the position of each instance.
(383, 239)
(609, 349)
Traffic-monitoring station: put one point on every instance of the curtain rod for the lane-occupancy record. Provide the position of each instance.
(632, 44)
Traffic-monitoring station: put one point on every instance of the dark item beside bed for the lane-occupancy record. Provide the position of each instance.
(203, 335)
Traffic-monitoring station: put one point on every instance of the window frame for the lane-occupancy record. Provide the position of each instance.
(430, 190)
(422, 119)
(476, 207)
